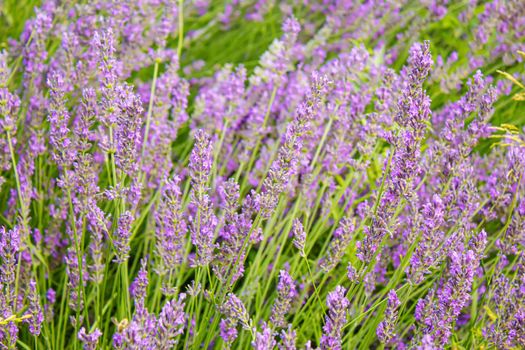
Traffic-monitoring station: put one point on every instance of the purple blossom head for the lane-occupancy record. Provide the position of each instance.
(89, 340)
(420, 61)
(9, 248)
(288, 338)
(234, 313)
(123, 236)
(386, 328)
(9, 103)
(205, 221)
(286, 293)
(335, 320)
(35, 310)
(172, 320)
(299, 236)
(264, 340)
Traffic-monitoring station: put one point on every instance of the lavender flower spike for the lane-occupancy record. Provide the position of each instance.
(264, 340)
(414, 106)
(299, 236)
(171, 227)
(288, 338)
(9, 247)
(335, 320)
(9, 103)
(171, 323)
(385, 330)
(286, 292)
(235, 313)
(35, 310)
(122, 237)
(204, 222)
(89, 340)
(341, 240)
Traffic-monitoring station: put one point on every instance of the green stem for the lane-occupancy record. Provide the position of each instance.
(150, 108)
(181, 28)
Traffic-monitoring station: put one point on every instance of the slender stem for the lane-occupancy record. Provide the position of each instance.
(313, 280)
(181, 28)
(150, 109)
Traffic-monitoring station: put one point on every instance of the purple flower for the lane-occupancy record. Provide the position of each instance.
(341, 240)
(98, 224)
(59, 133)
(89, 340)
(335, 320)
(128, 133)
(232, 235)
(9, 103)
(288, 338)
(427, 253)
(264, 340)
(122, 237)
(171, 97)
(438, 311)
(35, 310)
(9, 248)
(386, 328)
(104, 47)
(204, 220)
(275, 62)
(414, 106)
(171, 227)
(299, 236)
(234, 313)
(143, 327)
(172, 320)
(352, 273)
(285, 165)
(139, 286)
(77, 278)
(286, 292)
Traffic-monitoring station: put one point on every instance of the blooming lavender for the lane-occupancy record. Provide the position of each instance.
(153, 147)
(58, 119)
(299, 236)
(172, 320)
(505, 313)
(288, 338)
(9, 248)
(341, 240)
(99, 225)
(286, 293)
(122, 237)
(336, 319)
(413, 114)
(352, 273)
(386, 328)
(77, 278)
(264, 340)
(234, 313)
(10, 103)
(171, 227)
(142, 328)
(284, 166)
(35, 310)
(441, 307)
(203, 225)
(427, 252)
(414, 106)
(89, 340)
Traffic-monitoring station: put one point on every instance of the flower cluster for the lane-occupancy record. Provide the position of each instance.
(260, 173)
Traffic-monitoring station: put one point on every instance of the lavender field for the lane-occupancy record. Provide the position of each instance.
(262, 174)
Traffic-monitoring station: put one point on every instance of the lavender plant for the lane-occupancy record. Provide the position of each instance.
(262, 174)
